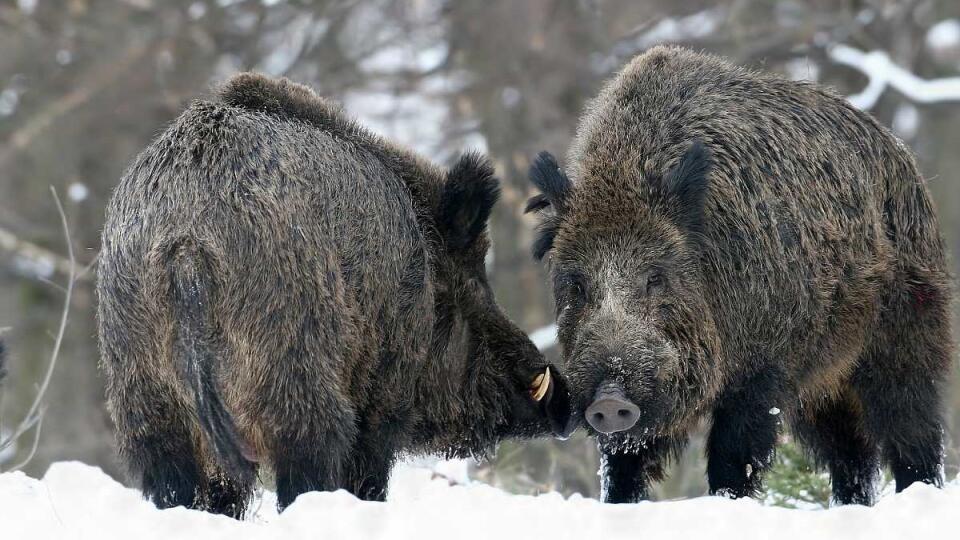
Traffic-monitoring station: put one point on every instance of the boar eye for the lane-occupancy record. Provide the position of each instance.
(655, 283)
(576, 290)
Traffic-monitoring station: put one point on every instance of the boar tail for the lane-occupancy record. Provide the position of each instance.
(196, 360)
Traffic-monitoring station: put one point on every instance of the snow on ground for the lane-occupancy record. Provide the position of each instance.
(76, 501)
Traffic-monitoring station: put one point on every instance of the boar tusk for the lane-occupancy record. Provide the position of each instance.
(540, 385)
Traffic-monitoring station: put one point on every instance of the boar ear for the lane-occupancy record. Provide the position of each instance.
(555, 187)
(467, 200)
(686, 186)
(552, 182)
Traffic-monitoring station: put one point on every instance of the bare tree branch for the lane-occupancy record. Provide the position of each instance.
(94, 83)
(34, 416)
(30, 251)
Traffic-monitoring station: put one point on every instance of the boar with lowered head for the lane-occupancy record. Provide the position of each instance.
(279, 287)
(736, 247)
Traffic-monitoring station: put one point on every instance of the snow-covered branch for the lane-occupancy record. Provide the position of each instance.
(883, 72)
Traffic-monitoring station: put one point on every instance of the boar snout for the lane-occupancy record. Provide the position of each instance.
(557, 407)
(611, 411)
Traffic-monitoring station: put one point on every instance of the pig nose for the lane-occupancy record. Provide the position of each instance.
(611, 411)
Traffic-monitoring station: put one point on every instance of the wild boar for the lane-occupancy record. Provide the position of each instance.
(280, 287)
(737, 247)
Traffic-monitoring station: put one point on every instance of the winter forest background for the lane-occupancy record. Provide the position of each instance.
(85, 85)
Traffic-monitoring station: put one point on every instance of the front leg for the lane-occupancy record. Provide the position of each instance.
(626, 476)
(370, 475)
(743, 438)
(373, 457)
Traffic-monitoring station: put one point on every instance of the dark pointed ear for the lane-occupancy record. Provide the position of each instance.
(467, 200)
(686, 186)
(555, 188)
(552, 182)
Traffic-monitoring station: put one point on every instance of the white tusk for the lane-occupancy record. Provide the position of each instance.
(540, 385)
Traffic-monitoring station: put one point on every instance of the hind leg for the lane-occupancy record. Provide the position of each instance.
(904, 414)
(157, 436)
(900, 382)
(310, 444)
(228, 496)
(168, 472)
(309, 458)
(161, 454)
(308, 424)
(297, 347)
(157, 442)
(834, 434)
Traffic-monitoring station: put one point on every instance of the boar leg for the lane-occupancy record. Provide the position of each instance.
(900, 381)
(373, 457)
(626, 476)
(835, 436)
(372, 485)
(921, 463)
(743, 437)
(904, 415)
(311, 426)
(310, 458)
(156, 436)
(158, 444)
(370, 472)
(228, 496)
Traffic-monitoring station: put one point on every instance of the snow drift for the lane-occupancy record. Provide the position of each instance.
(74, 500)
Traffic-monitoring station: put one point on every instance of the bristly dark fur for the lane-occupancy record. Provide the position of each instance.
(555, 187)
(536, 203)
(470, 180)
(546, 232)
(815, 295)
(196, 355)
(686, 186)
(279, 287)
(550, 179)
